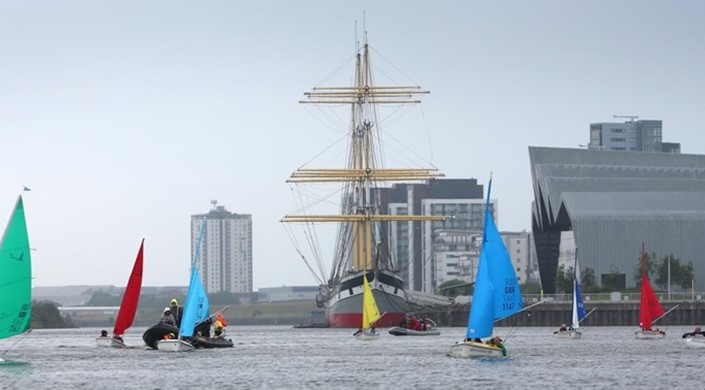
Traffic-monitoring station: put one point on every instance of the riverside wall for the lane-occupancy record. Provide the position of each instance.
(606, 314)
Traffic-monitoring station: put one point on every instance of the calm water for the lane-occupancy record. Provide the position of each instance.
(281, 357)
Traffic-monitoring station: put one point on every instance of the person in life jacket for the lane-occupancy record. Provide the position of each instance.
(175, 311)
(219, 325)
(167, 317)
(497, 343)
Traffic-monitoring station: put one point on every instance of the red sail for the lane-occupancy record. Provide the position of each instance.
(128, 307)
(650, 308)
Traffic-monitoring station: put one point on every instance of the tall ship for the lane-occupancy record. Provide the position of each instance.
(361, 244)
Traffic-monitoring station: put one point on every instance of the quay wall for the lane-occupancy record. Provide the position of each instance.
(606, 314)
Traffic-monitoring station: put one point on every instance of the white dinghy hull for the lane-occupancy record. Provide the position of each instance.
(109, 342)
(174, 346)
(649, 335)
(473, 349)
(696, 341)
(364, 336)
(568, 334)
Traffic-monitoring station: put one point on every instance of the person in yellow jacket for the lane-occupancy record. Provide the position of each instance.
(219, 325)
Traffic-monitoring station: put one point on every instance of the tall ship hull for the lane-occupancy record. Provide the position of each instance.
(344, 305)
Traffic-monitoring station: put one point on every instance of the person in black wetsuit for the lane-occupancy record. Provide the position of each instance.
(697, 331)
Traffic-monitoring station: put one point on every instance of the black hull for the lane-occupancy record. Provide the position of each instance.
(209, 342)
(157, 332)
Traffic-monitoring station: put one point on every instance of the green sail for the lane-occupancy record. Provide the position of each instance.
(15, 276)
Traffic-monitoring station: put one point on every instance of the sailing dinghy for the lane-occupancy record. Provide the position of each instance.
(195, 309)
(496, 296)
(15, 276)
(695, 339)
(370, 313)
(128, 307)
(650, 309)
(579, 312)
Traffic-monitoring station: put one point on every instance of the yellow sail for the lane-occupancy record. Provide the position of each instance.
(370, 312)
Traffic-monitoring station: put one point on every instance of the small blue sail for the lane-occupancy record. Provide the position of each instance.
(496, 293)
(196, 307)
(579, 301)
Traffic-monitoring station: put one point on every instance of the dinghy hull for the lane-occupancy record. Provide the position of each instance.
(649, 334)
(109, 342)
(174, 346)
(472, 349)
(157, 332)
(695, 342)
(568, 334)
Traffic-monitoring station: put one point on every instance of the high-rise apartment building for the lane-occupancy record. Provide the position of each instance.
(225, 260)
(411, 243)
(635, 136)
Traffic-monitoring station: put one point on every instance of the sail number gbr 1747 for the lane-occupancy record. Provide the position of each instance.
(509, 291)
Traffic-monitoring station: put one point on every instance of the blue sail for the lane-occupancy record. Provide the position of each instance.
(496, 293)
(580, 306)
(196, 307)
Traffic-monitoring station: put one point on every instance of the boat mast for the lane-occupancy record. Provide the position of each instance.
(363, 175)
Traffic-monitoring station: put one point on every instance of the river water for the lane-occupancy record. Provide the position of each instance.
(277, 357)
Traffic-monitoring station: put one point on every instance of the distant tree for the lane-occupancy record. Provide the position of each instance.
(530, 288)
(651, 266)
(45, 314)
(588, 279)
(564, 279)
(454, 287)
(681, 275)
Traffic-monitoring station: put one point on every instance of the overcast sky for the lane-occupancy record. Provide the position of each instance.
(127, 117)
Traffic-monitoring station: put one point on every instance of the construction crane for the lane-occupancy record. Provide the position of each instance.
(630, 117)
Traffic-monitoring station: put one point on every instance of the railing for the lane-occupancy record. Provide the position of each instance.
(617, 297)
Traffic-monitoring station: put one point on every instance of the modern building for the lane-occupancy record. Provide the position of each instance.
(412, 243)
(225, 260)
(634, 136)
(517, 244)
(456, 254)
(612, 202)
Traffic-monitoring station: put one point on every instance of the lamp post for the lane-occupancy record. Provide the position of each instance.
(669, 276)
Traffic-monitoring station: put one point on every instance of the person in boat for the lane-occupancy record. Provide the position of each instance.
(169, 336)
(697, 331)
(653, 330)
(204, 328)
(563, 328)
(414, 323)
(372, 331)
(220, 325)
(404, 323)
(167, 318)
(103, 333)
(175, 311)
(497, 343)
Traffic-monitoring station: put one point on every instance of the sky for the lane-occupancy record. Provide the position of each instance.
(127, 117)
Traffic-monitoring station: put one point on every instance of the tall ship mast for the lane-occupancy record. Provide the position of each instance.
(360, 248)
